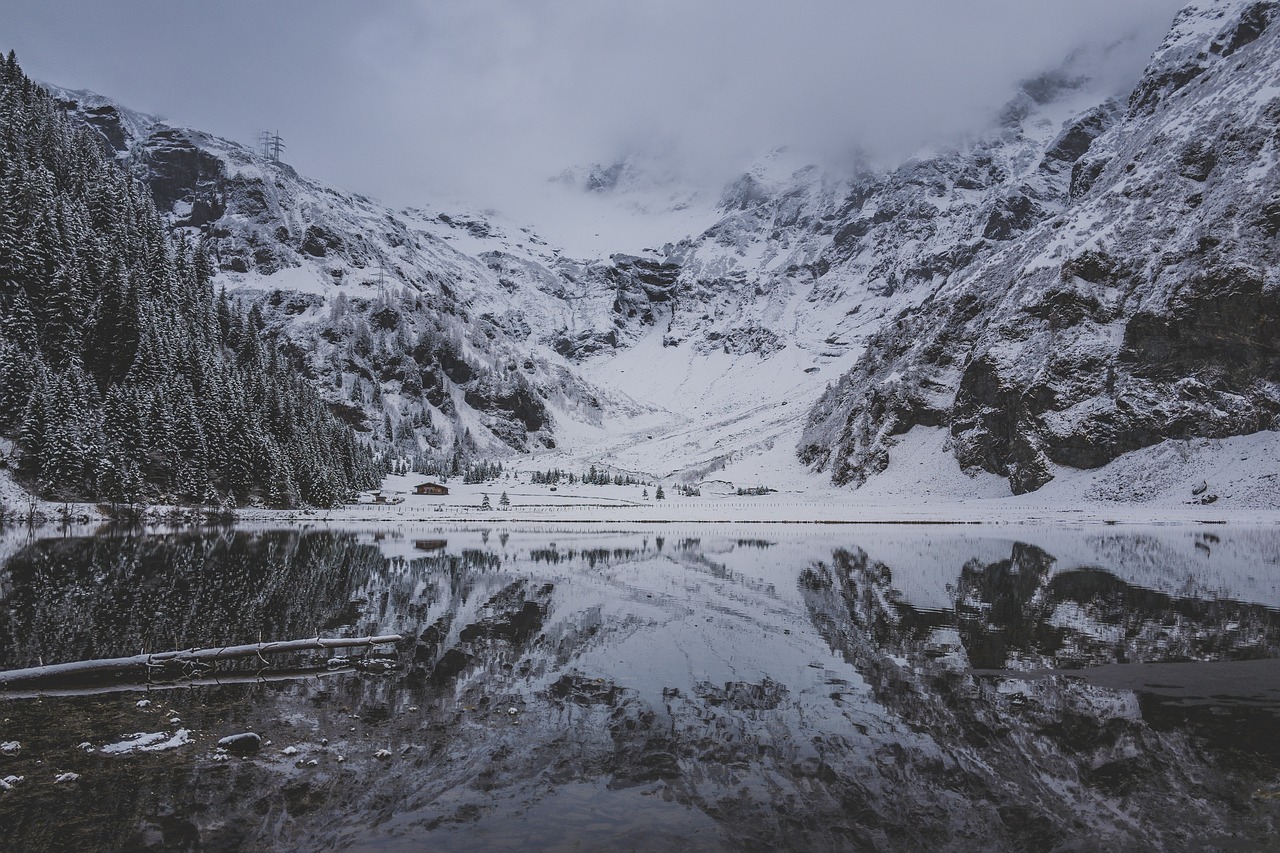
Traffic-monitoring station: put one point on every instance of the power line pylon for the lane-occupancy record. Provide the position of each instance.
(271, 144)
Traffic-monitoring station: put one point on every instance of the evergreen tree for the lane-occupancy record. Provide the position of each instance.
(123, 376)
(16, 379)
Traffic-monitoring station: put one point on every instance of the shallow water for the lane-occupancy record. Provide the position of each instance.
(689, 687)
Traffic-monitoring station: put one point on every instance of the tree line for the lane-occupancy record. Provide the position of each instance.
(124, 376)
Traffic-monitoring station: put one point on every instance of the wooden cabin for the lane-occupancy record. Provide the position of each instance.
(430, 544)
(430, 489)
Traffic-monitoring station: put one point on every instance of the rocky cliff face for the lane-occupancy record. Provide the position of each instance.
(845, 250)
(1138, 305)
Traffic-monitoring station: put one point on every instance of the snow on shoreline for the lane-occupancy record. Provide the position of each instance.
(763, 511)
(1166, 483)
(1163, 484)
(1157, 485)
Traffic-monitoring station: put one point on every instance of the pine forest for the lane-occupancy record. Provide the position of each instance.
(124, 377)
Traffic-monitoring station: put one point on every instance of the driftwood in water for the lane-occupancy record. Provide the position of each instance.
(188, 662)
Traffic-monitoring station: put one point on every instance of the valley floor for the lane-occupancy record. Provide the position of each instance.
(1226, 481)
(1235, 480)
(584, 509)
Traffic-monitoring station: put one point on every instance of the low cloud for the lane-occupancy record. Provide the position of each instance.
(492, 95)
(485, 100)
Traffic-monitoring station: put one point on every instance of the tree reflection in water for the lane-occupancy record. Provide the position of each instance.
(727, 691)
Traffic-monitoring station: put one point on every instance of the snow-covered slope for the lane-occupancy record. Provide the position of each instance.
(1142, 307)
(463, 330)
(434, 330)
(1093, 275)
(781, 293)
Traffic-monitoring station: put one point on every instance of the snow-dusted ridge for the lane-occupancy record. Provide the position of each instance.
(1090, 283)
(1143, 310)
(445, 325)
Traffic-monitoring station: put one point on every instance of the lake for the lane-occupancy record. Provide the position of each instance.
(693, 687)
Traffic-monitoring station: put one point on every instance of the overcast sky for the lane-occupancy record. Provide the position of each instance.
(414, 101)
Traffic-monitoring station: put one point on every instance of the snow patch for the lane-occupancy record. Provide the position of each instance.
(149, 742)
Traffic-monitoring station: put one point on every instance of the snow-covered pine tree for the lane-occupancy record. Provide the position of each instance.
(122, 375)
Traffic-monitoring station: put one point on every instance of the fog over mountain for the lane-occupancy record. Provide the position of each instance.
(410, 102)
(724, 247)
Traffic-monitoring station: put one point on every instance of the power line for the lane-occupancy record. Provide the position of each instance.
(271, 145)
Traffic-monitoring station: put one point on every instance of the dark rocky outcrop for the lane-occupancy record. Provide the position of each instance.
(1076, 137)
(1246, 29)
(520, 402)
(641, 284)
(1224, 329)
(176, 169)
(318, 241)
(585, 343)
(1011, 215)
(105, 119)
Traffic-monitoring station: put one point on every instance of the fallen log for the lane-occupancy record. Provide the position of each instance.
(190, 659)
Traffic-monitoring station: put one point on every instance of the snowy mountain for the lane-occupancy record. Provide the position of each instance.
(805, 263)
(1094, 274)
(436, 330)
(1136, 303)
(445, 331)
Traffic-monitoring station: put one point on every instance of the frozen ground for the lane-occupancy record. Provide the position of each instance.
(1161, 484)
(1155, 485)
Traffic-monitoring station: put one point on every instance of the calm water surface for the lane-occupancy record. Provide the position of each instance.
(696, 687)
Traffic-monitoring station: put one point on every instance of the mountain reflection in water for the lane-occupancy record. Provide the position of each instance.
(688, 687)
